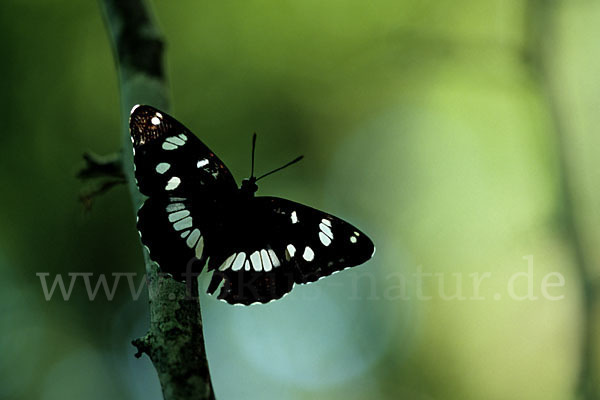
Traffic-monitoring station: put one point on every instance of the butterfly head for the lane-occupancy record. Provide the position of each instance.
(249, 186)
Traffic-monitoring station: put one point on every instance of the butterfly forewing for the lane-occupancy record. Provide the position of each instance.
(171, 161)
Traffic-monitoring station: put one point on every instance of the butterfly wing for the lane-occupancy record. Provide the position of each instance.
(171, 160)
(177, 232)
(278, 243)
(185, 182)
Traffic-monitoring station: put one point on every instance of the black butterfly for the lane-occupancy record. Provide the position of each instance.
(258, 247)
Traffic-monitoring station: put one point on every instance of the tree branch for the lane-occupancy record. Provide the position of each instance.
(100, 174)
(175, 341)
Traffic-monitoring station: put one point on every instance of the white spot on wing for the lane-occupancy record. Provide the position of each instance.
(200, 248)
(202, 163)
(294, 217)
(238, 263)
(326, 222)
(175, 207)
(324, 239)
(274, 259)
(133, 109)
(176, 140)
(290, 251)
(247, 265)
(182, 137)
(163, 167)
(173, 183)
(176, 216)
(155, 120)
(183, 224)
(227, 262)
(353, 239)
(256, 262)
(168, 146)
(193, 238)
(185, 234)
(326, 230)
(265, 260)
(309, 254)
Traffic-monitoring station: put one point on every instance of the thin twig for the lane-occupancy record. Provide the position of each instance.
(175, 341)
(97, 166)
(99, 175)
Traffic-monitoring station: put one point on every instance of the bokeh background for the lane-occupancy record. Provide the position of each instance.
(460, 134)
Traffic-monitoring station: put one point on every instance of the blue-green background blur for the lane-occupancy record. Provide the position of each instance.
(448, 130)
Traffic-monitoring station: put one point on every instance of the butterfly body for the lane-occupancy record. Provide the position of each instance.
(256, 247)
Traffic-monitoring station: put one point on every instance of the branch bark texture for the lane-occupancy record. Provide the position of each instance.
(175, 341)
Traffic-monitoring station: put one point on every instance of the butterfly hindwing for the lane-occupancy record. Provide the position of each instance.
(172, 161)
(284, 243)
(172, 230)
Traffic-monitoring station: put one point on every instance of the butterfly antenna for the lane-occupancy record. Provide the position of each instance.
(253, 148)
(294, 161)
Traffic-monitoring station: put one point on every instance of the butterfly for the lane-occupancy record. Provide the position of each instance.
(257, 247)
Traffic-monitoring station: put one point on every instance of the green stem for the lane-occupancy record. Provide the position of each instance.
(541, 34)
(175, 341)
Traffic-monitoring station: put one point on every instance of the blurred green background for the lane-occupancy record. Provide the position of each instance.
(460, 134)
